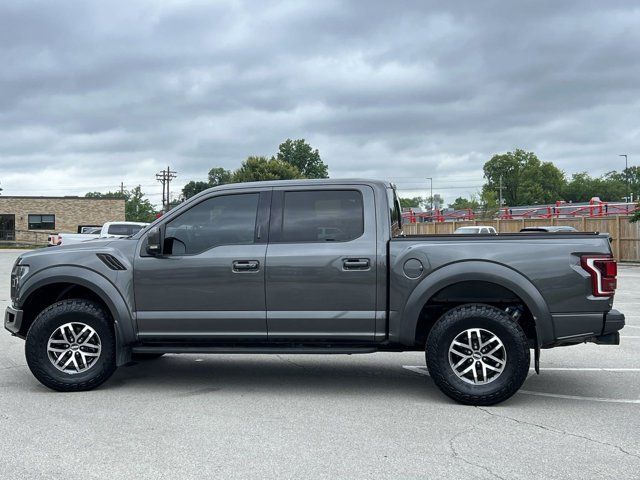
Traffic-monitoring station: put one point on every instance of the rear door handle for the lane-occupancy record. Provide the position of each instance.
(355, 263)
(246, 265)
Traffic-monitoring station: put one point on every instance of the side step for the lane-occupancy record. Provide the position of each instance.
(278, 349)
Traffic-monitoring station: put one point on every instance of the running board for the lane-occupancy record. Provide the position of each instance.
(278, 349)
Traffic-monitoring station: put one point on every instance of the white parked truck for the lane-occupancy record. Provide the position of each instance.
(108, 230)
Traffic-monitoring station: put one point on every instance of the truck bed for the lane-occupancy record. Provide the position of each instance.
(543, 267)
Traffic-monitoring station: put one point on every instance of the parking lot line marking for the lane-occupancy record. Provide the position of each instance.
(417, 369)
(588, 369)
(578, 397)
(630, 336)
(424, 371)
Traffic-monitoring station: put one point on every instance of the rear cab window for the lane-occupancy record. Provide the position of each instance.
(395, 212)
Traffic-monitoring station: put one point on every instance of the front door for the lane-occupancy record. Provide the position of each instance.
(209, 282)
(321, 264)
(7, 227)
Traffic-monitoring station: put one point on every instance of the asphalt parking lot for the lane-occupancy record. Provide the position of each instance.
(303, 416)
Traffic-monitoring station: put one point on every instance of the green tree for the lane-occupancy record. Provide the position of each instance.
(303, 157)
(193, 188)
(219, 176)
(610, 187)
(461, 203)
(255, 169)
(525, 179)
(636, 215)
(136, 207)
(581, 188)
(622, 182)
(489, 204)
(124, 195)
(413, 202)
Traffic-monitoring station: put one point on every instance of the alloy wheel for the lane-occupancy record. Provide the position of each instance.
(74, 347)
(477, 356)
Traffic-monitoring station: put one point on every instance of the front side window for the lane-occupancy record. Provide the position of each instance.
(42, 222)
(322, 216)
(222, 220)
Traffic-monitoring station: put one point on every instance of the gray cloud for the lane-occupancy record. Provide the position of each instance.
(94, 93)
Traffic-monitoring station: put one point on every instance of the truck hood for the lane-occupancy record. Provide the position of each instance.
(50, 253)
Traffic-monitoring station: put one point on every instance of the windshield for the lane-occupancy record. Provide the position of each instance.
(124, 229)
(468, 230)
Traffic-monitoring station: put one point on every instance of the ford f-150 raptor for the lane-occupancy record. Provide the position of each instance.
(312, 266)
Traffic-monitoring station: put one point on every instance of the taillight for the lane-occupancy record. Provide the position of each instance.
(603, 271)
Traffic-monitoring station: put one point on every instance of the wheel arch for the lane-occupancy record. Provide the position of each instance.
(57, 283)
(483, 272)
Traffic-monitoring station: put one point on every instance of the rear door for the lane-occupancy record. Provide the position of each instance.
(320, 265)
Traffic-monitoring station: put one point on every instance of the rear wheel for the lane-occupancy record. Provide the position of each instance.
(71, 346)
(477, 355)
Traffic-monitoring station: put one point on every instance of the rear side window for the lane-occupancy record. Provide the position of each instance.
(322, 216)
(222, 220)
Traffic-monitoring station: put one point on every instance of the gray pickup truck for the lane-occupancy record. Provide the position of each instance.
(312, 266)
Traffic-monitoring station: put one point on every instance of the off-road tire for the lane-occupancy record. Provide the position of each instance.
(515, 342)
(52, 317)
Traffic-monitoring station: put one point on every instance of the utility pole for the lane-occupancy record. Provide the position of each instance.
(121, 188)
(165, 177)
(431, 195)
(500, 188)
(626, 175)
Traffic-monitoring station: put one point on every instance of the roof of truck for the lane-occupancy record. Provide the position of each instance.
(303, 182)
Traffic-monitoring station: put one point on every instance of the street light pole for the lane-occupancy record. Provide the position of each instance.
(431, 197)
(626, 174)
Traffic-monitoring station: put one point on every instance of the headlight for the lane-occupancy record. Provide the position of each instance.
(17, 274)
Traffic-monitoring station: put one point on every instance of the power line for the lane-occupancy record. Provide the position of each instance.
(165, 177)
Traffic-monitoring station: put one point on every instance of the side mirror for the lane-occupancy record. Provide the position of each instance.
(154, 242)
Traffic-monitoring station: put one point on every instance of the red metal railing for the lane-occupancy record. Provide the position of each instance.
(595, 208)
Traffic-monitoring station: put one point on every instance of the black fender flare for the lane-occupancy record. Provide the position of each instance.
(121, 312)
(475, 270)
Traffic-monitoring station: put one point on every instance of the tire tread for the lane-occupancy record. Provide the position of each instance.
(477, 310)
(40, 331)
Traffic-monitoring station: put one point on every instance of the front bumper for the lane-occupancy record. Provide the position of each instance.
(13, 320)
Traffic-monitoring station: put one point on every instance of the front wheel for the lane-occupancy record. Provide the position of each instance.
(71, 346)
(477, 355)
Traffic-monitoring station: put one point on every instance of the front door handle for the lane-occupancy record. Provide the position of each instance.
(355, 263)
(246, 265)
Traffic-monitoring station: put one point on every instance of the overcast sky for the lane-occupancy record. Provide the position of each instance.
(95, 93)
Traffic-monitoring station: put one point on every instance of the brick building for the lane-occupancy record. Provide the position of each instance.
(30, 219)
